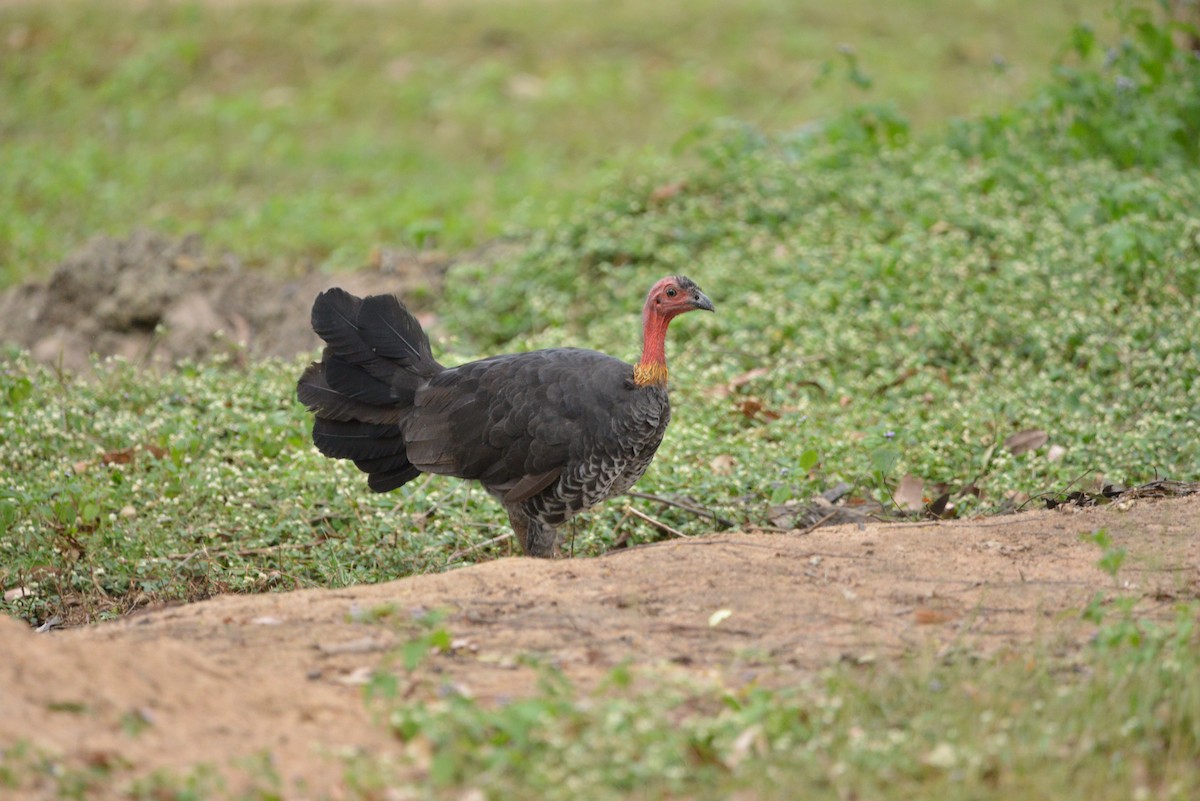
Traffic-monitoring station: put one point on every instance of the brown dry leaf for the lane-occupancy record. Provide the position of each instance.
(738, 381)
(750, 742)
(897, 381)
(16, 593)
(747, 377)
(667, 191)
(722, 465)
(81, 467)
(753, 408)
(123, 456)
(155, 451)
(1024, 441)
(1016, 496)
(910, 495)
(924, 616)
(941, 507)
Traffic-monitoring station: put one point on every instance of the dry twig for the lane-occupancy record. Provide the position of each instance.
(460, 553)
(657, 523)
(687, 507)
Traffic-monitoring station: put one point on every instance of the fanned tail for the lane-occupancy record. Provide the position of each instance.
(376, 358)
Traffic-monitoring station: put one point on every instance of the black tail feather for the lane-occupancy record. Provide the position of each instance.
(341, 440)
(393, 333)
(354, 382)
(333, 318)
(392, 479)
(376, 358)
(315, 393)
(382, 464)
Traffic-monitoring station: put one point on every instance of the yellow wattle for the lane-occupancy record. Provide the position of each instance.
(649, 374)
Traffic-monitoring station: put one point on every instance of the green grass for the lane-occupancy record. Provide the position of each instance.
(1120, 723)
(315, 132)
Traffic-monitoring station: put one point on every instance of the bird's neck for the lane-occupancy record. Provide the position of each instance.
(652, 369)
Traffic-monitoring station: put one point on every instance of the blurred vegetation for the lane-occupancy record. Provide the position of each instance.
(313, 132)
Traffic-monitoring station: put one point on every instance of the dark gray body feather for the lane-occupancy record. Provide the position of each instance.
(549, 433)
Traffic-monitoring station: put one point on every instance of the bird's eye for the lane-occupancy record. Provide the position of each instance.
(671, 292)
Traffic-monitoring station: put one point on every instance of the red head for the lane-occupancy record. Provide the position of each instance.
(668, 298)
(675, 295)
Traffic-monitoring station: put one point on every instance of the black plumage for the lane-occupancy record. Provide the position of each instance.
(548, 433)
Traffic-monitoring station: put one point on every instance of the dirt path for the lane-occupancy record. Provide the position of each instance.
(219, 680)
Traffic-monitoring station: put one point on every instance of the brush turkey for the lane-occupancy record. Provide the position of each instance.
(548, 433)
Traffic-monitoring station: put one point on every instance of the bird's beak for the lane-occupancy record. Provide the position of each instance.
(701, 301)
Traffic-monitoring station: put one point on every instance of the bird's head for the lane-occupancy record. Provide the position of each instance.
(674, 295)
(670, 297)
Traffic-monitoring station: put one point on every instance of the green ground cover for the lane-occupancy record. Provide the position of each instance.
(909, 306)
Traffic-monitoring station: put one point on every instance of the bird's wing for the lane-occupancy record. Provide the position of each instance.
(516, 422)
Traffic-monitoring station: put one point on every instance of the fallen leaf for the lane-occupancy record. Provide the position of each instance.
(356, 677)
(895, 382)
(667, 191)
(910, 495)
(738, 381)
(722, 465)
(942, 756)
(1055, 453)
(941, 506)
(753, 407)
(362, 645)
(16, 593)
(750, 741)
(1025, 441)
(719, 616)
(784, 515)
(123, 456)
(102, 760)
(924, 616)
(747, 377)
(1016, 496)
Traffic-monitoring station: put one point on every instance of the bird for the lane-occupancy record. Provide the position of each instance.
(548, 433)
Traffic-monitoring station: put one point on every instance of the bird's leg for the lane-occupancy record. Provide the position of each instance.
(536, 538)
(543, 540)
(572, 548)
(520, 525)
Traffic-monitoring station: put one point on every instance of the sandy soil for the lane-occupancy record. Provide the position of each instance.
(233, 676)
(155, 300)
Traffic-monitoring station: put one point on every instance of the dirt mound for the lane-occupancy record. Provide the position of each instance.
(155, 300)
(219, 680)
